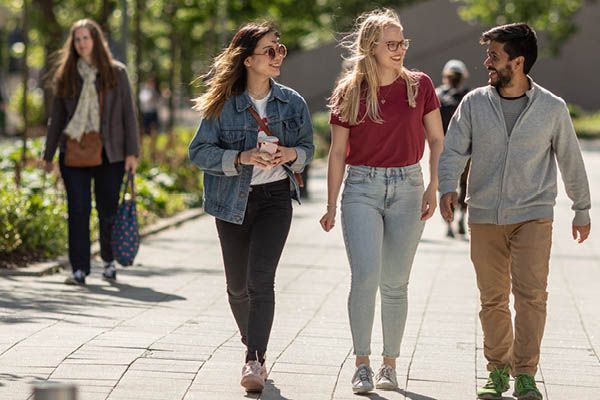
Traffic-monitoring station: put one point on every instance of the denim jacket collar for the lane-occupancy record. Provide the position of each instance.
(242, 101)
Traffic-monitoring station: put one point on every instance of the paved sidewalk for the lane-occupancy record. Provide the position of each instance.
(164, 331)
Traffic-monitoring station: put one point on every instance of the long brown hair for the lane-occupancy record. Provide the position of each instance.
(359, 81)
(65, 78)
(227, 75)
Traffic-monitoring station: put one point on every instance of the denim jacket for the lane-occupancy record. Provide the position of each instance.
(218, 141)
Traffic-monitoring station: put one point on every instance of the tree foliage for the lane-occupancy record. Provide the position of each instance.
(553, 17)
(178, 38)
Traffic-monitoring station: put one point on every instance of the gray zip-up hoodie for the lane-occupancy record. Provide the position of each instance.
(513, 178)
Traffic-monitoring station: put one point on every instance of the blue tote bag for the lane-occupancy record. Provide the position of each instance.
(125, 239)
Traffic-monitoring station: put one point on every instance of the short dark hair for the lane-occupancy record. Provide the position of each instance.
(518, 40)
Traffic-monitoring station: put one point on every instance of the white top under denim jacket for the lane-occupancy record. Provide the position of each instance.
(218, 141)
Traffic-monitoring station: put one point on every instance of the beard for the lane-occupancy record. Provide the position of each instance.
(503, 77)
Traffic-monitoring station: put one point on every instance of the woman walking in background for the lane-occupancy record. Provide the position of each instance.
(92, 95)
(248, 175)
(450, 94)
(381, 115)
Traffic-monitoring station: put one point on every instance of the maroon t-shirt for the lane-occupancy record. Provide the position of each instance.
(398, 141)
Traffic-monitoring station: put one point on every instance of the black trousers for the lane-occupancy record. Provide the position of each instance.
(78, 183)
(251, 252)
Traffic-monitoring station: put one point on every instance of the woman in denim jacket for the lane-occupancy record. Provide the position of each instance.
(247, 188)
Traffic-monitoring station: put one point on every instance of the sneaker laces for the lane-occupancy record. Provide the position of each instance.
(255, 367)
(386, 372)
(525, 383)
(364, 375)
(498, 380)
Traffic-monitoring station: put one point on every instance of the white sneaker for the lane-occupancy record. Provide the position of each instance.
(110, 271)
(76, 278)
(362, 381)
(386, 378)
(253, 376)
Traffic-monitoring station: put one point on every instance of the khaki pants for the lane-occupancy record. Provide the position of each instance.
(516, 254)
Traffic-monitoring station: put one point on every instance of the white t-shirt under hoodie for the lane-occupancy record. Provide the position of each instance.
(263, 175)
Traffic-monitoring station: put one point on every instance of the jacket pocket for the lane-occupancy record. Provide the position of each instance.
(233, 140)
(291, 130)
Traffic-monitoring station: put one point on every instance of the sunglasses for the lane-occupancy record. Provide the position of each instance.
(393, 45)
(273, 52)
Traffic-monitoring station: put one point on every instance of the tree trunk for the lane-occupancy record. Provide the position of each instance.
(53, 38)
(137, 42)
(25, 79)
(173, 36)
(108, 6)
(137, 24)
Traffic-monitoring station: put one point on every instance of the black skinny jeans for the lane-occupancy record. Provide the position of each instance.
(107, 185)
(251, 252)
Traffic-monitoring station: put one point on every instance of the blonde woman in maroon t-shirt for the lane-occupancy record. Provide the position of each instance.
(381, 116)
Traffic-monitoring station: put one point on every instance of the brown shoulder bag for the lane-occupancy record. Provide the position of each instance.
(86, 152)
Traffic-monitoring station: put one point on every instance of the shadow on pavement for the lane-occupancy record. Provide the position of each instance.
(138, 293)
(145, 270)
(271, 392)
(415, 396)
(57, 299)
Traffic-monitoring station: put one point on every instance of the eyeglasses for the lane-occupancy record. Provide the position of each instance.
(273, 52)
(393, 45)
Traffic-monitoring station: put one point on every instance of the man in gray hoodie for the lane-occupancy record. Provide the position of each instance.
(515, 132)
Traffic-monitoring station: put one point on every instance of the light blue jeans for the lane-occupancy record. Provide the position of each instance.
(381, 220)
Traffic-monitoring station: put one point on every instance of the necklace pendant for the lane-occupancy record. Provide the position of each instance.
(382, 101)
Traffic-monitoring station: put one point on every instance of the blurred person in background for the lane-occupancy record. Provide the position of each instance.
(450, 93)
(92, 93)
(150, 100)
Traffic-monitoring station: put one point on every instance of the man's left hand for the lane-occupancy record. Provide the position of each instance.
(580, 233)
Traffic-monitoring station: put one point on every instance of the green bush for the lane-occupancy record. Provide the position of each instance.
(32, 221)
(35, 105)
(322, 133)
(574, 110)
(33, 216)
(587, 125)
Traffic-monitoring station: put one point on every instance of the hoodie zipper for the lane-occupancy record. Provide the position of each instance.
(499, 111)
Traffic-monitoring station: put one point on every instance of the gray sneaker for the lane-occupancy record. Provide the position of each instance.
(110, 271)
(362, 381)
(76, 278)
(386, 378)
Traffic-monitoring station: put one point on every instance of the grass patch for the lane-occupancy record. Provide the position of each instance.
(587, 125)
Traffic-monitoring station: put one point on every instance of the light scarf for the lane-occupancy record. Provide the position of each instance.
(87, 113)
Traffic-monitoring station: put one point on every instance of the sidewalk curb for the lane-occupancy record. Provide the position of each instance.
(61, 262)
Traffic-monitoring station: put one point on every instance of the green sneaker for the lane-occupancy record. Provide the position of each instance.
(525, 388)
(496, 384)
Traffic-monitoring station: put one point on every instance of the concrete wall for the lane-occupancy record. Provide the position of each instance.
(438, 35)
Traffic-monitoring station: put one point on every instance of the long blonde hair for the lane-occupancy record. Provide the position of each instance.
(227, 75)
(359, 80)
